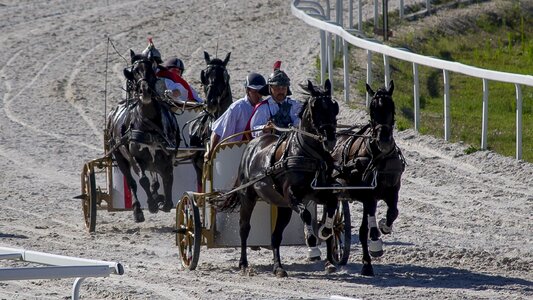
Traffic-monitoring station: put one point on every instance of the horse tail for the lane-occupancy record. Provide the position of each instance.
(230, 202)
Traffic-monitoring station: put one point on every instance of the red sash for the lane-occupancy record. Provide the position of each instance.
(177, 79)
(248, 136)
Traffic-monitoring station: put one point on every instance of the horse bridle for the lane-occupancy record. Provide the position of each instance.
(225, 76)
(321, 129)
(138, 82)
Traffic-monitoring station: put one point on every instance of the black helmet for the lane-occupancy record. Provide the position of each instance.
(255, 81)
(278, 77)
(174, 62)
(152, 53)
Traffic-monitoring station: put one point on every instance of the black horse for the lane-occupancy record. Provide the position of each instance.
(216, 82)
(280, 170)
(142, 135)
(371, 155)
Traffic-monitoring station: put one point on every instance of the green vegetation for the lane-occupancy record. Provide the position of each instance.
(502, 42)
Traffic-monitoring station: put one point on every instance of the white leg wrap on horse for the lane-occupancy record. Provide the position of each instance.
(383, 226)
(313, 252)
(372, 222)
(375, 246)
(324, 235)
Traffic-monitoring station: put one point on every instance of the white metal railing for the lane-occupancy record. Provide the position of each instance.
(310, 14)
(58, 266)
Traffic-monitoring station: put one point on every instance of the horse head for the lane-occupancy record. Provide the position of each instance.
(319, 113)
(142, 74)
(215, 79)
(382, 117)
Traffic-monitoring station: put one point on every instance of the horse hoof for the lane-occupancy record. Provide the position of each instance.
(160, 199)
(313, 254)
(139, 218)
(383, 227)
(376, 248)
(367, 270)
(280, 273)
(247, 271)
(153, 207)
(330, 268)
(167, 207)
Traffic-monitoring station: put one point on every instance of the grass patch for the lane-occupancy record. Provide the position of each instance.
(501, 41)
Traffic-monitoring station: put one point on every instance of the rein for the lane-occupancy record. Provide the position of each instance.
(317, 137)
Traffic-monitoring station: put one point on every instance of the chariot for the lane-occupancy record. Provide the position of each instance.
(198, 221)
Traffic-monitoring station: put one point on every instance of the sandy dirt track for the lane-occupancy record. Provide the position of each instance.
(465, 225)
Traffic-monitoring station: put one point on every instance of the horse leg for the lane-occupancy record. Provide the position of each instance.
(246, 210)
(283, 219)
(198, 164)
(145, 183)
(327, 229)
(168, 180)
(313, 252)
(366, 231)
(155, 189)
(330, 264)
(124, 167)
(375, 244)
(385, 225)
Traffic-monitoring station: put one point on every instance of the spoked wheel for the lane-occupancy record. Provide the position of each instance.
(188, 231)
(89, 195)
(342, 234)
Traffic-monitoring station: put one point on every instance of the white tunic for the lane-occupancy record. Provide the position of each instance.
(234, 119)
(265, 112)
(171, 85)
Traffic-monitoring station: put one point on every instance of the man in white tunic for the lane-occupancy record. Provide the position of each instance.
(278, 109)
(235, 118)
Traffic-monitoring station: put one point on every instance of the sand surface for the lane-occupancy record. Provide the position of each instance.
(465, 225)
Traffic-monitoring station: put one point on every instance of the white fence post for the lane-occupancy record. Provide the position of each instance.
(518, 121)
(386, 68)
(485, 114)
(368, 74)
(330, 59)
(376, 14)
(360, 17)
(447, 116)
(345, 60)
(416, 95)
(323, 56)
(350, 14)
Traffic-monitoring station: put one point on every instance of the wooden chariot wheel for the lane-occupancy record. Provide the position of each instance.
(342, 234)
(89, 196)
(188, 231)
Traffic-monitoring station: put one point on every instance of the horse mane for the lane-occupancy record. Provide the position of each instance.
(304, 107)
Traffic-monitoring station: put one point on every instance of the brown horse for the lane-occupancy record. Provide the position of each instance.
(143, 136)
(367, 158)
(280, 170)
